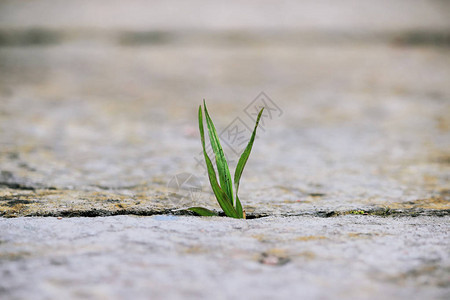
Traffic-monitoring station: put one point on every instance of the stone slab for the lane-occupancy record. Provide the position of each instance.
(179, 257)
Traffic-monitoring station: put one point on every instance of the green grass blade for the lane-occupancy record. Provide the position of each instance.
(239, 209)
(222, 198)
(244, 157)
(222, 166)
(204, 212)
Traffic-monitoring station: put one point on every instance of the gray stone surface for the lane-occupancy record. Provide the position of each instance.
(349, 15)
(363, 125)
(170, 257)
(98, 104)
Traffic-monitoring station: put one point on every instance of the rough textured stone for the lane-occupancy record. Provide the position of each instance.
(364, 257)
(362, 127)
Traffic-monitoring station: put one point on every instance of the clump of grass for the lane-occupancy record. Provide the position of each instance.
(357, 212)
(223, 189)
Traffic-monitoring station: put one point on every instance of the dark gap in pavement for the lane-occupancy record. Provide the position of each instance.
(134, 38)
(320, 214)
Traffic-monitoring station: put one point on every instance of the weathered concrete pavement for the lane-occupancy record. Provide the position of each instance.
(98, 104)
(165, 257)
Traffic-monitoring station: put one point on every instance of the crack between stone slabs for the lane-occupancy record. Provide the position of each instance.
(24, 187)
(380, 212)
(17, 186)
(321, 214)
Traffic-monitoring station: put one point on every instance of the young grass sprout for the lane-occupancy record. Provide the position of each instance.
(223, 189)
